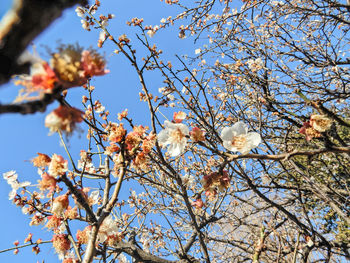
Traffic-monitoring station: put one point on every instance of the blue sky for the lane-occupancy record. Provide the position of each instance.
(23, 136)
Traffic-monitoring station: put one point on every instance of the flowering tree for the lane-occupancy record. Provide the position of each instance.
(252, 165)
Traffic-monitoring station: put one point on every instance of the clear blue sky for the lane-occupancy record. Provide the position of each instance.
(22, 137)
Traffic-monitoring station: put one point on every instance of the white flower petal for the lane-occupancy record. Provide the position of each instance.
(12, 194)
(10, 176)
(169, 125)
(25, 210)
(175, 149)
(228, 145)
(240, 128)
(163, 137)
(14, 184)
(174, 135)
(227, 134)
(245, 149)
(108, 227)
(254, 138)
(95, 196)
(184, 129)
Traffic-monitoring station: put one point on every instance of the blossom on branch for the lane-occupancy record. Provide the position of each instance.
(174, 135)
(197, 134)
(108, 228)
(41, 79)
(149, 142)
(114, 239)
(67, 66)
(83, 236)
(315, 126)
(198, 204)
(70, 66)
(54, 222)
(179, 116)
(28, 238)
(61, 244)
(320, 122)
(123, 114)
(116, 132)
(71, 213)
(47, 182)
(37, 219)
(110, 150)
(216, 181)
(141, 162)
(60, 204)
(41, 161)
(73, 66)
(11, 178)
(309, 131)
(238, 139)
(93, 64)
(58, 166)
(255, 64)
(64, 119)
(134, 138)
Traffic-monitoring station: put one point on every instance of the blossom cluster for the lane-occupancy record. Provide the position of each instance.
(175, 135)
(138, 144)
(315, 126)
(56, 210)
(11, 179)
(216, 181)
(70, 67)
(64, 119)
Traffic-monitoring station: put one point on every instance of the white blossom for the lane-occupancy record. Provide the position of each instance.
(108, 227)
(12, 194)
(53, 122)
(87, 166)
(277, 3)
(80, 11)
(85, 24)
(11, 178)
(25, 210)
(16, 185)
(150, 33)
(94, 196)
(171, 97)
(104, 23)
(238, 139)
(102, 36)
(255, 64)
(320, 122)
(174, 135)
